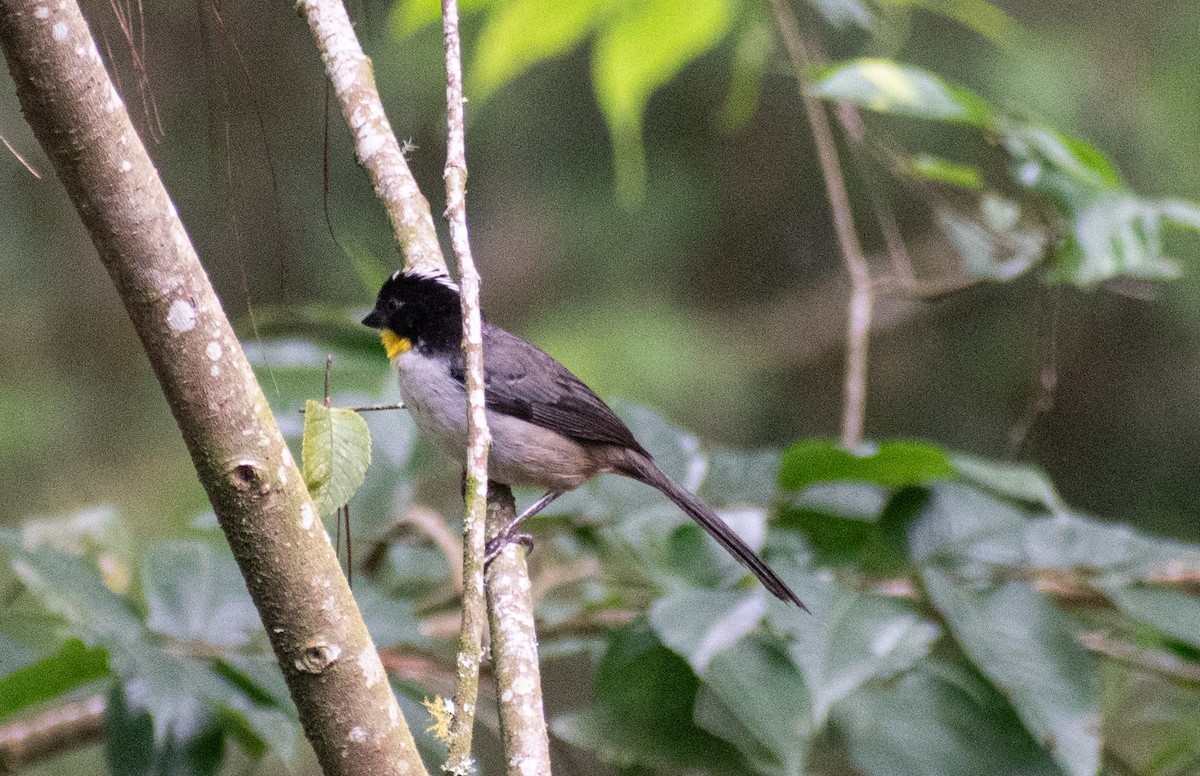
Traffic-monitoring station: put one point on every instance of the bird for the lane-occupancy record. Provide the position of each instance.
(549, 430)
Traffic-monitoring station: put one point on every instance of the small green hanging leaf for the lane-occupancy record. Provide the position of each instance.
(336, 452)
(935, 168)
(886, 86)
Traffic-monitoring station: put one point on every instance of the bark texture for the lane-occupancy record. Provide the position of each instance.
(333, 671)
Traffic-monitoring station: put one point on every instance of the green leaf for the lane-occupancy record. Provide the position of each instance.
(193, 746)
(196, 593)
(521, 33)
(964, 525)
(938, 720)
(753, 45)
(1112, 231)
(408, 16)
(74, 665)
(337, 452)
(935, 168)
(641, 713)
(996, 242)
(1175, 614)
(1019, 481)
(886, 86)
(890, 464)
(696, 624)
(642, 47)
(754, 697)
(842, 13)
(71, 588)
(852, 638)
(1026, 647)
(1151, 723)
(979, 15)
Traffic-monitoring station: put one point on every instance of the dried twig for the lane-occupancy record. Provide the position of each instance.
(859, 321)
(54, 732)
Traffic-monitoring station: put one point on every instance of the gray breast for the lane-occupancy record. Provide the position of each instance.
(522, 453)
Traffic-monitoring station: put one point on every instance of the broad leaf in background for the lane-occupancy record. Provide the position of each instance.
(642, 707)
(937, 720)
(887, 86)
(74, 665)
(521, 33)
(852, 638)
(1019, 481)
(195, 592)
(194, 746)
(697, 624)
(337, 453)
(642, 47)
(1027, 648)
(891, 464)
(1173, 613)
(855, 507)
(754, 697)
(1111, 231)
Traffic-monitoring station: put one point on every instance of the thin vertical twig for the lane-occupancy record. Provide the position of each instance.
(861, 303)
(474, 607)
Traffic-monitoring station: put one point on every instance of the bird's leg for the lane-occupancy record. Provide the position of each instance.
(508, 532)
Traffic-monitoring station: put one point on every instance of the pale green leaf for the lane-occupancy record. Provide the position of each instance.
(521, 33)
(935, 168)
(886, 86)
(1175, 614)
(195, 592)
(754, 697)
(1024, 644)
(938, 720)
(698, 623)
(641, 48)
(851, 638)
(73, 665)
(337, 452)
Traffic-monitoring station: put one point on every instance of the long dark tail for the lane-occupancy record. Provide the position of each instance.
(641, 467)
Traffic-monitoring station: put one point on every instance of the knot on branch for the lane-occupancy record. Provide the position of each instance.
(248, 478)
(316, 656)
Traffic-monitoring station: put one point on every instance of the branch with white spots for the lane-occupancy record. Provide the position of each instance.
(474, 609)
(514, 651)
(332, 669)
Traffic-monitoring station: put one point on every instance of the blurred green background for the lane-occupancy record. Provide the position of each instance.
(719, 299)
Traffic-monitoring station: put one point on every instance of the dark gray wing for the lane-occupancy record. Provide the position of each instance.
(526, 383)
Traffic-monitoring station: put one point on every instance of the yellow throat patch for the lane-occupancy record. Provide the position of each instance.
(394, 344)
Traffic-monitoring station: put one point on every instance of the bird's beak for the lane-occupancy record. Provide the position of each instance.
(375, 320)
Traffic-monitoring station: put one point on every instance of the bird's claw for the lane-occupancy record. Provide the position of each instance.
(496, 545)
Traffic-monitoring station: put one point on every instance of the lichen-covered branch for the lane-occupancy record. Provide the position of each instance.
(474, 609)
(353, 80)
(332, 669)
(514, 650)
